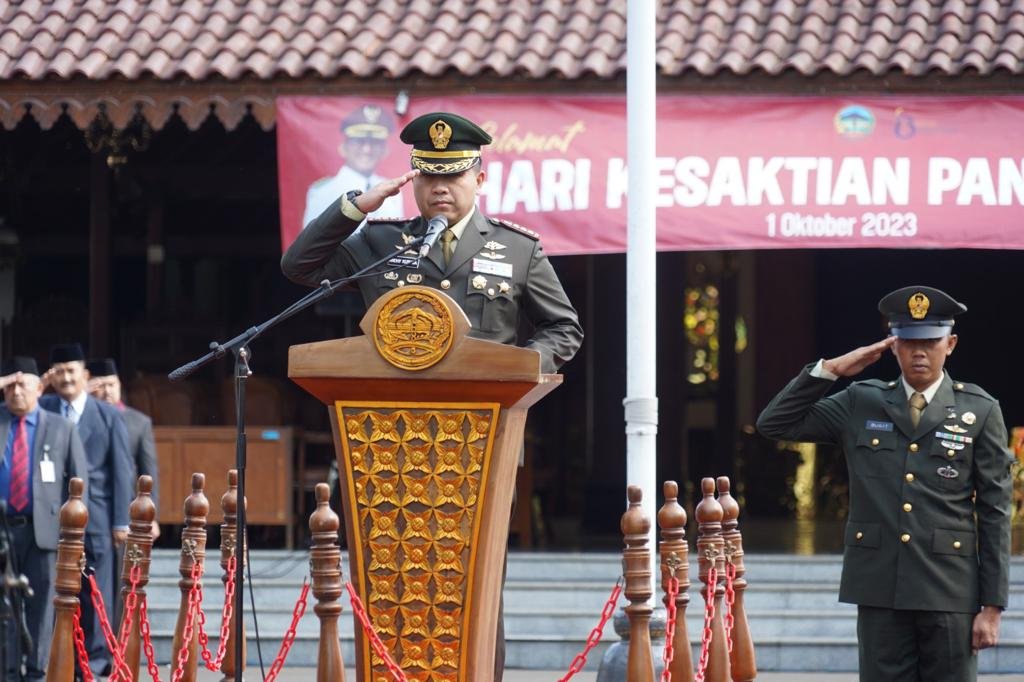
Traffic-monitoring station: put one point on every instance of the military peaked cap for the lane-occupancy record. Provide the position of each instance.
(102, 367)
(443, 143)
(369, 121)
(919, 312)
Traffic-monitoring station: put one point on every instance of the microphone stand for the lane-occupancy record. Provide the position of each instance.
(239, 346)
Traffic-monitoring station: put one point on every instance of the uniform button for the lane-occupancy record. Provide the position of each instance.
(951, 453)
(401, 282)
(956, 544)
(874, 441)
(913, 447)
(907, 506)
(910, 478)
(958, 387)
(860, 535)
(490, 292)
(905, 538)
(445, 284)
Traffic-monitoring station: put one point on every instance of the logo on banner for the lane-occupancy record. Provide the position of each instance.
(855, 121)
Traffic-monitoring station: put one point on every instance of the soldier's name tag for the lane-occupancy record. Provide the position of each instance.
(872, 425)
(491, 268)
(955, 437)
(404, 261)
(46, 472)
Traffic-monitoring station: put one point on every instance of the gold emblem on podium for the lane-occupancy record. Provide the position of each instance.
(414, 330)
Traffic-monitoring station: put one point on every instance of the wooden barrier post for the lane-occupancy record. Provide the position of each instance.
(137, 552)
(228, 547)
(742, 663)
(710, 549)
(636, 561)
(325, 568)
(70, 552)
(193, 551)
(675, 560)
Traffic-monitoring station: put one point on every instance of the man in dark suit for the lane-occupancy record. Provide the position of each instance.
(495, 270)
(41, 452)
(111, 481)
(928, 538)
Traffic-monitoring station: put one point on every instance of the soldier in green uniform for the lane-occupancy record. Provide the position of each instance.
(496, 270)
(928, 537)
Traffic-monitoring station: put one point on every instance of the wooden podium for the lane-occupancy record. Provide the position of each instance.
(428, 429)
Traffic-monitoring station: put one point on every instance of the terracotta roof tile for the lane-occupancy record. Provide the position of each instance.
(201, 39)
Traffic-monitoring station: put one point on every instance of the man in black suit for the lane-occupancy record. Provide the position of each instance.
(41, 452)
(111, 481)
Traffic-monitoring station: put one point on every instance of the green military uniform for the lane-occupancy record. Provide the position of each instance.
(499, 273)
(928, 536)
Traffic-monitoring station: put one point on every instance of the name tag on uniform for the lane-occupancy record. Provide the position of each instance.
(872, 425)
(404, 261)
(491, 268)
(46, 472)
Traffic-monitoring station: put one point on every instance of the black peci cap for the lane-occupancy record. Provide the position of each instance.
(67, 352)
(443, 143)
(919, 312)
(20, 363)
(103, 367)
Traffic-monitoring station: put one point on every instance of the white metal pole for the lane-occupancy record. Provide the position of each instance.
(641, 402)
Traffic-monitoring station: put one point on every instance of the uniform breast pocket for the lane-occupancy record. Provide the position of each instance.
(489, 305)
(949, 465)
(876, 454)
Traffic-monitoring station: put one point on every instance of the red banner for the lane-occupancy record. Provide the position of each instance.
(733, 172)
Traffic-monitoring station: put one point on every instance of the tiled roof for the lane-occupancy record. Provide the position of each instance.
(265, 39)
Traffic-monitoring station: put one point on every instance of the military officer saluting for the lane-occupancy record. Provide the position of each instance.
(928, 537)
(496, 270)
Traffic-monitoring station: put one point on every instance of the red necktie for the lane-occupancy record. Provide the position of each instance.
(18, 499)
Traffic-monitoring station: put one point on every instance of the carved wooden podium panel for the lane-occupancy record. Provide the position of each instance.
(428, 427)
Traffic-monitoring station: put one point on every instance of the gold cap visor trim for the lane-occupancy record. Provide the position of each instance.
(456, 166)
(363, 130)
(427, 154)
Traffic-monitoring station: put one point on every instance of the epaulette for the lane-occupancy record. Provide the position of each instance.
(876, 383)
(516, 227)
(973, 389)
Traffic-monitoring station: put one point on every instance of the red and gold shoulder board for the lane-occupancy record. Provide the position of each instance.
(516, 227)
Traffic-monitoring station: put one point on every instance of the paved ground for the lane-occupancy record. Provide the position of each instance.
(308, 675)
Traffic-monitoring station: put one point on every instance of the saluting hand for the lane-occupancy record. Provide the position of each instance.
(373, 198)
(6, 381)
(856, 360)
(47, 379)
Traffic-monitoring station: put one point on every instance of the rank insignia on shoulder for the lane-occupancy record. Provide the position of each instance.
(948, 472)
(516, 227)
(494, 246)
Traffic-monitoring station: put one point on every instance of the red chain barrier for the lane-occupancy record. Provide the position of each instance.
(709, 615)
(289, 636)
(147, 642)
(213, 664)
(378, 646)
(116, 650)
(730, 599)
(190, 621)
(670, 627)
(130, 603)
(79, 636)
(595, 634)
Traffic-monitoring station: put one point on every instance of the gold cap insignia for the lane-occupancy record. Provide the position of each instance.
(440, 134)
(918, 305)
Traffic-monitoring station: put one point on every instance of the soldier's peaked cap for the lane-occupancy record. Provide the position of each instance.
(444, 143)
(369, 121)
(919, 312)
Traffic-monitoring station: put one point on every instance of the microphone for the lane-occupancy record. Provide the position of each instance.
(435, 226)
